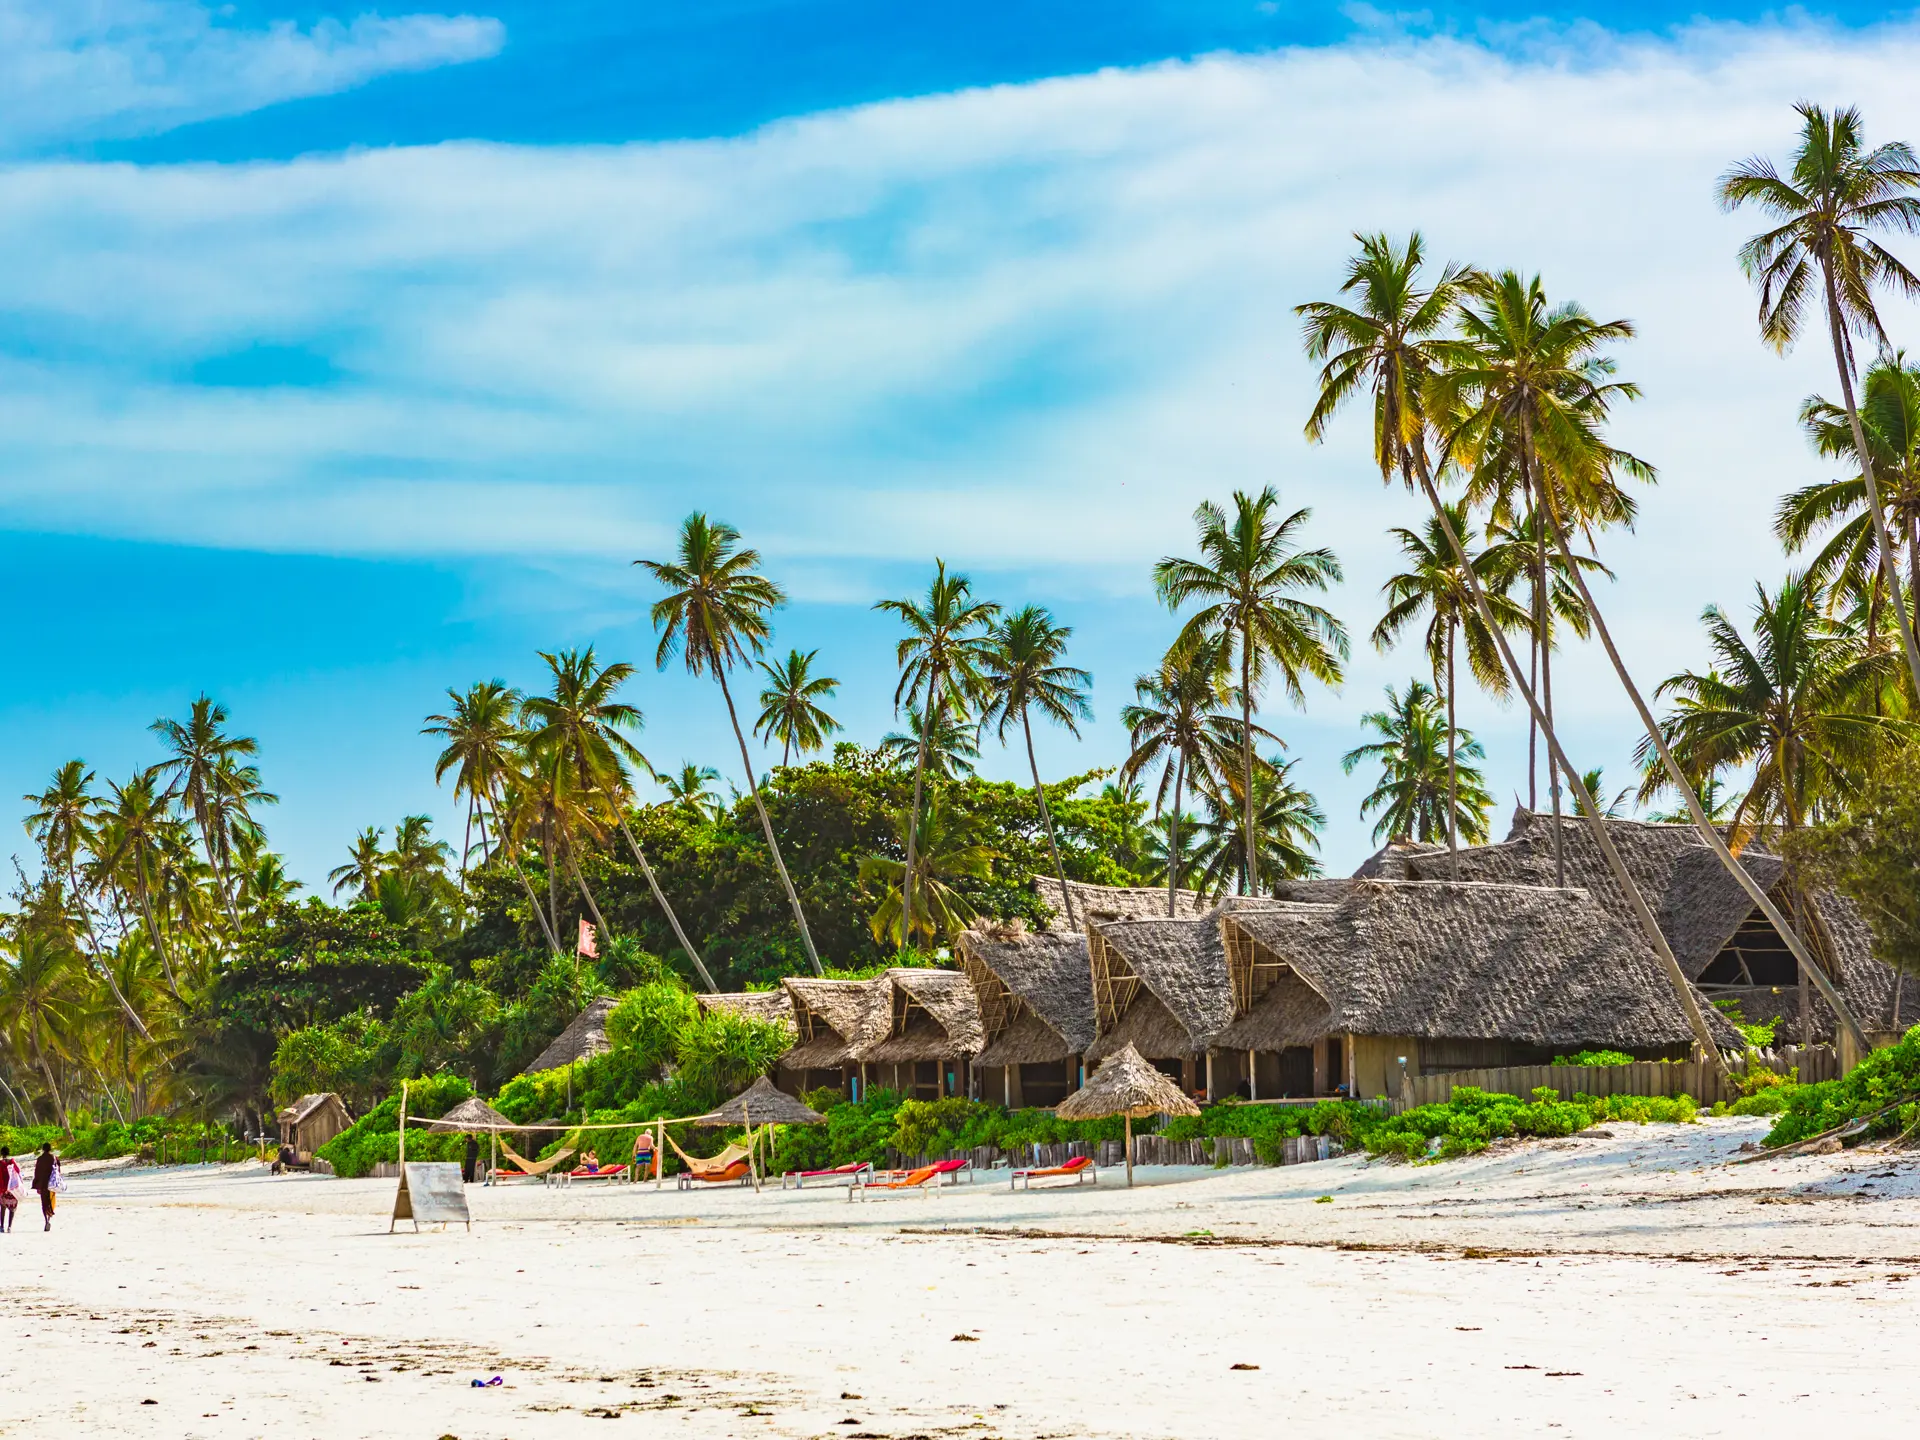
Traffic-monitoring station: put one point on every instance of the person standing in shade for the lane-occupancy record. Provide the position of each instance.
(9, 1188)
(471, 1170)
(45, 1168)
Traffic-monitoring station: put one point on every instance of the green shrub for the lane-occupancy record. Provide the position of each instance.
(1473, 1118)
(375, 1136)
(1882, 1079)
(1595, 1057)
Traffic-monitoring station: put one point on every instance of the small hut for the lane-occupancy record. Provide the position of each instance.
(583, 1039)
(310, 1122)
(933, 1033)
(472, 1116)
(835, 1020)
(1036, 1011)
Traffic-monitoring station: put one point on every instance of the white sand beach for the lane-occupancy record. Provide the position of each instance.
(1622, 1284)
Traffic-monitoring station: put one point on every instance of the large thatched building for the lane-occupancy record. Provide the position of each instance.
(1035, 997)
(908, 1029)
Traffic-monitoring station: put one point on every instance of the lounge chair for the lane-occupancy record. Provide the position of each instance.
(849, 1173)
(1081, 1167)
(912, 1180)
(739, 1172)
(605, 1172)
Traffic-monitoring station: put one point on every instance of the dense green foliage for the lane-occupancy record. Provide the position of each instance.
(1889, 1077)
(1468, 1122)
(1595, 1057)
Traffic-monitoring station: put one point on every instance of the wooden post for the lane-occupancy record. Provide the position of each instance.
(1006, 1087)
(1253, 1077)
(1129, 1152)
(1209, 1076)
(403, 1127)
(659, 1144)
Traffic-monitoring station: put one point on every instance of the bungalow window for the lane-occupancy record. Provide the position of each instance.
(1045, 1083)
(1756, 955)
(1296, 1071)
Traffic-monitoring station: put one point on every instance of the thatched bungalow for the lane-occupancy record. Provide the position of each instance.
(1035, 996)
(1160, 986)
(835, 1020)
(933, 1033)
(583, 1039)
(1722, 941)
(1421, 977)
(1114, 902)
(310, 1122)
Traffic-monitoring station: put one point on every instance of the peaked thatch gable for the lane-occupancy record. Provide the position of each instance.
(1469, 961)
(585, 1038)
(1159, 985)
(1034, 992)
(933, 1016)
(836, 1019)
(1114, 902)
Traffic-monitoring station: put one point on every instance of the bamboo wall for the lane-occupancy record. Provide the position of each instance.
(1644, 1077)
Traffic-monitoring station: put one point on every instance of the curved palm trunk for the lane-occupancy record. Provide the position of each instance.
(1046, 816)
(153, 930)
(93, 954)
(1708, 831)
(1173, 832)
(1249, 844)
(1453, 768)
(1643, 916)
(46, 1071)
(573, 868)
(1887, 566)
(661, 900)
(1543, 625)
(533, 901)
(766, 825)
(913, 815)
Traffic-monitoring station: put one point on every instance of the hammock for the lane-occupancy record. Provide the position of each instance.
(717, 1166)
(535, 1167)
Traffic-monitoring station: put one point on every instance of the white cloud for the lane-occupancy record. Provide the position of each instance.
(86, 69)
(1027, 327)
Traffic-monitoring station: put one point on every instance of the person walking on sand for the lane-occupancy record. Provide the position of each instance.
(9, 1188)
(46, 1171)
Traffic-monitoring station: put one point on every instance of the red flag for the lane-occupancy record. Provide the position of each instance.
(587, 947)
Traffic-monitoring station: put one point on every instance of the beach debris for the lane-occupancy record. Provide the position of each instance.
(849, 1395)
(964, 1336)
(1242, 1365)
(1323, 1199)
(487, 1384)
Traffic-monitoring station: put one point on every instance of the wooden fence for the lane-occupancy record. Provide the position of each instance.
(1644, 1077)
(1147, 1150)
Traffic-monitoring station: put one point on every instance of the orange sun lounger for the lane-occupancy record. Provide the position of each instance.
(1081, 1167)
(736, 1173)
(912, 1180)
(849, 1173)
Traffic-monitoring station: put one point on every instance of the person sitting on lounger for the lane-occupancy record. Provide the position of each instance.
(590, 1163)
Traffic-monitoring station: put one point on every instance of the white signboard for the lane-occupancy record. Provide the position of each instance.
(433, 1192)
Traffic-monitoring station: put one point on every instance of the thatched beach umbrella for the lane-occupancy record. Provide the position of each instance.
(475, 1116)
(761, 1104)
(1126, 1085)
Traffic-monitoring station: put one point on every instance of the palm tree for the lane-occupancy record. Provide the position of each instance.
(481, 732)
(1594, 783)
(1024, 673)
(195, 749)
(1288, 821)
(62, 825)
(1849, 563)
(264, 882)
(135, 834)
(1792, 706)
(1248, 586)
(952, 747)
(1716, 798)
(39, 1005)
(1524, 392)
(1178, 722)
(577, 734)
(1424, 791)
(1392, 340)
(1839, 193)
(1433, 585)
(790, 705)
(947, 645)
(947, 852)
(714, 616)
(365, 862)
(691, 792)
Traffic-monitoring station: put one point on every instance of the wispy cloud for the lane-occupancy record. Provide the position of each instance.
(88, 69)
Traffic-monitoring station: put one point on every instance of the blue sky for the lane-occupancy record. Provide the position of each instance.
(349, 355)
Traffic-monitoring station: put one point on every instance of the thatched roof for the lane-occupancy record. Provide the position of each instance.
(303, 1109)
(773, 1007)
(473, 1115)
(1467, 962)
(1034, 993)
(1125, 1084)
(1113, 902)
(581, 1040)
(933, 1016)
(837, 1019)
(761, 1104)
(1391, 861)
(1175, 969)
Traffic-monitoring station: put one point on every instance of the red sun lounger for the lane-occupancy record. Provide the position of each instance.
(1081, 1167)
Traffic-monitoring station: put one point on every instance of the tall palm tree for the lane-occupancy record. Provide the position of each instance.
(946, 647)
(1848, 565)
(40, 1005)
(1025, 672)
(1179, 722)
(1424, 790)
(1433, 585)
(62, 824)
(1248, 584)
(1594, 782)
(1793, 706)
(714, 615)
(365, 861)
(1392, 342)
(948, 751)
(135, 835)
(578, 732)
(1838, 194)
(1287, 820)
(1524, 392)
(691, 791)
(948, 852)
(195, 748)
(790, 709)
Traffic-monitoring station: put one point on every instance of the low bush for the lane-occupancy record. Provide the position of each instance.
(1883, 1079)
(1595, 1057)
(375, 1136)
(1473, 1119)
